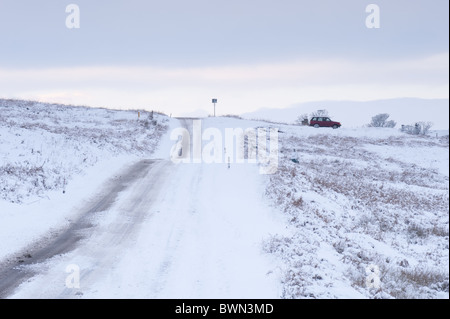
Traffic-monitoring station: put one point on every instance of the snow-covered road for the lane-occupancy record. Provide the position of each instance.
(160, 230)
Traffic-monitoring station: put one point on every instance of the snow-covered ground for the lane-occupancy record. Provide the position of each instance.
(360, 213)
(188, 230)
(54, 156)
(371, 211)
(44, 146)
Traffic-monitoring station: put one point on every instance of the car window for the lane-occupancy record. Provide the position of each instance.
(314, 119)
(319, 119)
(327, 119)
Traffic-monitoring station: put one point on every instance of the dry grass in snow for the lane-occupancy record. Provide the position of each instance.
(44, 145)
(362, 207)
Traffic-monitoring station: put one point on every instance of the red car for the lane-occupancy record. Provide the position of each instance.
(323, 121)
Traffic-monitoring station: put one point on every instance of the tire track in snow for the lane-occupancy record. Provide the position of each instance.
(23, 267)
(180, 231)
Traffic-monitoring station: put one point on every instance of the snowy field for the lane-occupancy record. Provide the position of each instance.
(371, 213)
(348, 213)
(44, 146)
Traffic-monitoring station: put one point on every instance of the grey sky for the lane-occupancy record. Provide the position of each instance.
(211, 32)
(190, 37)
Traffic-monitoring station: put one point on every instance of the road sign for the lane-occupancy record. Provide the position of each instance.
(214, 100)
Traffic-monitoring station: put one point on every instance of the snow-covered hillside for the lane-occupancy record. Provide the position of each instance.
(44, 145)
(366, 204)
(348, 213)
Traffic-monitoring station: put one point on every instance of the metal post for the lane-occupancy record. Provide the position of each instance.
(214, 102)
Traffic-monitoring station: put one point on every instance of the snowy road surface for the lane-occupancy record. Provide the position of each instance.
(158, 230)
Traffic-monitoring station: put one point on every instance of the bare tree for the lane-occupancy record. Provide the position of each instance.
(320, 113)
(419, 128)
(424, 127)
(302, 119)
(380, 120)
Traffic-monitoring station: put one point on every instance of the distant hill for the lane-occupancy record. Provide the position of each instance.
(357, 114)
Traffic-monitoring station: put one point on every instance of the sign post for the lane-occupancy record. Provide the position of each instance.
(214, 102)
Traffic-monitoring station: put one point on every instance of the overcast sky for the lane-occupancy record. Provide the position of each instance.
(176, 55)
